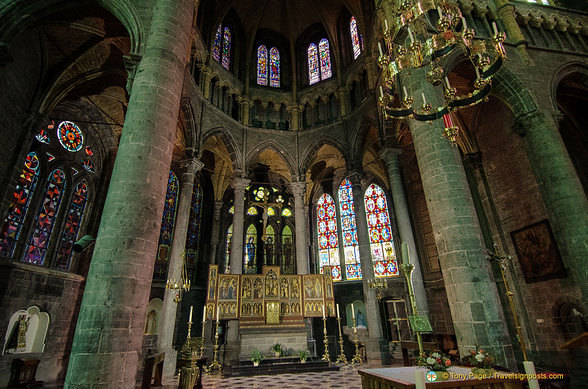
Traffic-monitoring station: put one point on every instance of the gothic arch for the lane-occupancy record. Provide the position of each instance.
(271, 145)
(189, 125)
(20, 16)
(308, 154)
(563, 72)
(359, 137)
(509, 88)
(229, 142)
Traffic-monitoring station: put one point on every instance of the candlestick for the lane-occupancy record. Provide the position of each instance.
(190, 317)
(338, 317)
(381, 92)
(217, 313)
(341, 358)
(447, 83)
(323, 306)
(352, 311)
(215, 364)
(357, 357)
(325, 340)
(494, 28)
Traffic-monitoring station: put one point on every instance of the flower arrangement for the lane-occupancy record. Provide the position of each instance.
(303, 355)
(436, 361)
(480, 359)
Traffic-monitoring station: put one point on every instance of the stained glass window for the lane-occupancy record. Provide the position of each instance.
(19, 205)
(250, 258)
(327, 235)
(226, 60)
(88, 165)
(288, 259)
(42, 136)
(228, 249)
(193, 234)
(166, 233)
(72, 226)
(70, 136)
(50, 157)
(355, 39)
(286, 212)
(262, 65)
(36, 249)
(252, 211)
(269, 245)
(313, 64)
(349, 231)
(232, 210)
(382, 246)
(216, 44)
(325, 59)
(270, 211)
(274, 67)
(89, 151)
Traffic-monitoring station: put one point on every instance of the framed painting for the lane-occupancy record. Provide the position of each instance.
(537, 252)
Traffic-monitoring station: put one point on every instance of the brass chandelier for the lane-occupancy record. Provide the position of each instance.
(427, 44)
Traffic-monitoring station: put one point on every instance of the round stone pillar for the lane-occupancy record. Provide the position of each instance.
(239, 184)
(390, 156)
(561, 190)
(372, 309)
(168, 313)
(302, 265)
(106, 350)
(478, 317)
(215, 239)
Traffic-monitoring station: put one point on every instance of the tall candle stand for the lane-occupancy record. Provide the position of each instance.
(202, 345)
(341, 358)
(357, 357)
(215, 365)
(325, 341)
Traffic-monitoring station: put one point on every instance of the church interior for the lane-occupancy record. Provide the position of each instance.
(187, 183)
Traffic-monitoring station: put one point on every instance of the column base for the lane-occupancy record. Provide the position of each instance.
(376, 352)
(169, 364)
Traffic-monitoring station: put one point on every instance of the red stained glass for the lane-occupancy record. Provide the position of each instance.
(72, 226)
(327, 235)
(380, 233)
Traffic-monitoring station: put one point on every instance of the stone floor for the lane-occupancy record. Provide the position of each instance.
(346, 378)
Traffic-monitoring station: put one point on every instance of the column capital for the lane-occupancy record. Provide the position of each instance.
(526, 121)
(298, 188)
(131, 63)
(390, 154)
(191, 166)
(240, 183)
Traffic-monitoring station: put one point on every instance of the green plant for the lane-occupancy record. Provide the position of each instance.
(435, 361)
(277, 348)
(256, 356)
(303, 354)
(480, 359)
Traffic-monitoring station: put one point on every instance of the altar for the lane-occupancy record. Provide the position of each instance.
(270, 307)
(459, 377)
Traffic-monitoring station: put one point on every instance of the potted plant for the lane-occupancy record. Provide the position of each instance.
(303, 355)
(437, 362)
(256, 357)
(277, 349)
(482, 362)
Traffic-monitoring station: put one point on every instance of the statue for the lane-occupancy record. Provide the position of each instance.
(23, 326)
(360, 320)
(287, 250)
(269, 251)
(250, 250)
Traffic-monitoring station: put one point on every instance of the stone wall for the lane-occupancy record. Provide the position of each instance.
(55, 292)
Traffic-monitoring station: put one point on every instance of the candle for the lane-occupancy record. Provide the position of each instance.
(380, 49)
(424, 100)
(494, 28)
(439, 12)
(447, 83)
(352, 311)
(204, 313)
(404, 90)
(465, 24)
(190, 317)
(386, 24)
(477, 72)
(381, 92)
(410, 35)
(323, 306)
(217, 313)
(338, 317)
(405, 257)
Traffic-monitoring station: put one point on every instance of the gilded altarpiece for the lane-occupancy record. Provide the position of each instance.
(269, 298)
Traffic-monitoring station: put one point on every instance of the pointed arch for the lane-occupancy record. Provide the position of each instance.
(308, 155)
(229, 142)
(278, 149)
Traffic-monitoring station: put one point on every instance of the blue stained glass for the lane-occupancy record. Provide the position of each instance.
(274, 67)
(250, 257)
(19, 205)
(166, 232)
(216, 44)
(327, 235)
(38, 242)
(262, 65)
(325, 57)
(380, 233)
(355, 40)
(313, 64)
(72, 226)
(193, 233)
(226, 60)
(349, 230)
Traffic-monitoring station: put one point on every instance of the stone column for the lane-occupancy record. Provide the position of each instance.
(372, 309)
(239, 184)
(106, 350)
(302, 265)
(390, 156)
(478, 317)
(215, 240)
(343, 94)
(206, 78)
(506, 13)
(295, 116)
(562, 192)
(168, 313)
